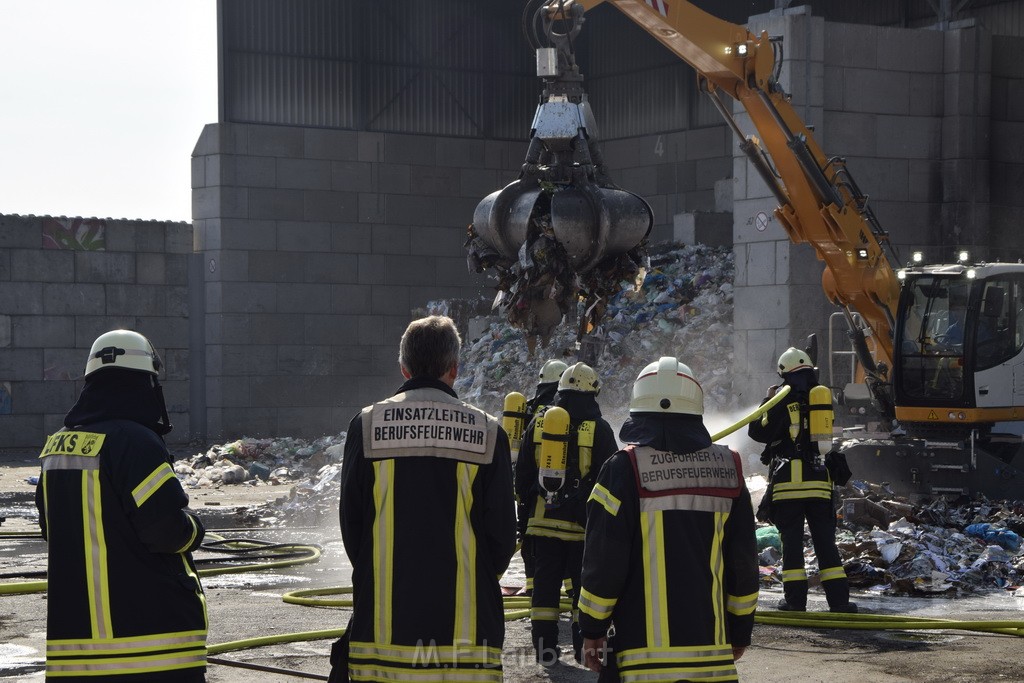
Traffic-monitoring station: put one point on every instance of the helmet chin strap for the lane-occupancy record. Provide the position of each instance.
(164, 426)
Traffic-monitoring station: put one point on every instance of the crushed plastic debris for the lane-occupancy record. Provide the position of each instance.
(253, 461)
(892, 546)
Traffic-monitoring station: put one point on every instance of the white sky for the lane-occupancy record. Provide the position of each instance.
(101, 104)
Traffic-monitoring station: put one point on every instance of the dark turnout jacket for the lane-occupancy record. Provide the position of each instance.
(124, 600)
(428, 521)
(670, 557)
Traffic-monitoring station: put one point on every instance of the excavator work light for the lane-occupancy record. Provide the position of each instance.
(918, 257)
(971, 273)
(862, 254)
(962, 257)
(901, 274)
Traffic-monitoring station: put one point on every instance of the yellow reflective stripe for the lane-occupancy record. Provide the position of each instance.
(465, 557)
(43, 479)
(653, 532)
(803, 486)
(717, 584)
(562, 524)
(741, 605)
(712, 674)
(574, 536)
(801, 495)
(426, 654)
(673, 654)
(374, 672)
(794, 575)
(383, 544)
(97, 584)
(796, 470)
(126, 665)
(567, 584)
(595, 606)
(608, 501)
(127, 644)
(655, 664)
(195, 530)
(150, 484)
(544, 613)
(529, 583)
(832, 573)
(199, 590)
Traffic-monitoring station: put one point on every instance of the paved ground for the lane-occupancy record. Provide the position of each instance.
(249, 605)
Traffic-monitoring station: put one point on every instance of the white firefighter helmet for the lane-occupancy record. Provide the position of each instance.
(793, 359)
(122, 349)
(551, 372)
(667, 386)
(579, 377)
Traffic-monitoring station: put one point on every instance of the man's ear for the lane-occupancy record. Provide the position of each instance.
(405, 373)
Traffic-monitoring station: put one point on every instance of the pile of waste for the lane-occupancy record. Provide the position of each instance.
(255, 461)
(894, 547)
(683, 308)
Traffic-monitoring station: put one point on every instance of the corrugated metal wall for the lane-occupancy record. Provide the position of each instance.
(463, 68)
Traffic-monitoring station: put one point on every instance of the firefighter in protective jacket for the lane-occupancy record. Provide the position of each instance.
(801, 487)
(670, 559)
(555, 495)
(428, 522)
(124, 600)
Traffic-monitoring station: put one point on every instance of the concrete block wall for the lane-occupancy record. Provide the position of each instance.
(65, 281)
(1006, 171)
(318, 247)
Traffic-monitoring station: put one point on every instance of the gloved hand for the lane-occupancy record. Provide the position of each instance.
(766, 458)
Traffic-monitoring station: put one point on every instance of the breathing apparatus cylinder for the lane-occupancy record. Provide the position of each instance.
(513, 420)
(821, 416)
(554, 452)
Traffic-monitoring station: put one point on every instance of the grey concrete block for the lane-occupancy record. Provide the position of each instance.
(389, 300)
(104, 267)
(394, 328)
(248, 359)
(370, 329)
(88, 327)
(120, 235)
(433, 180)
(965, 180)
(207, 234)
(278, 205)
(352, 359)
(177, 362)
(710, 171)
(129, 300)
(371, 269)
(176, 398)
(227, 424)
(712, 229)
(164, 332)
(374, 388)
(705, 143)
(304, 359)
(409, 210)
(419, 296)
(149, 236)
(5, 265)
(759, 264)
(912, 137)
(248, 234)
(228, 392)
(724, 194)
(371, 146)
(372, 208)
(803, 266)
(331, 329)
(226, 328)
(428, 241)
(306, 422)
(42, 331)
(1014, 109)
(198, 174)
(24, 364)
(881, 178)
(244, 171)
(914, 222)
(177, 267)
(5, 331)
(55, 299)
(42, 265)
(42, 397)
(910, 49)
(227, 266)
(332, 267)
(249, 297)
(700, 200)
(20, 232)
(624, 153)
(391, 178)
(293, 391)
(352, 176)
(850, 133)
(642, 180)
(210, 140)
(277, 266)
(64, 364)
(220, 202)
(324, 143)
(351, 238)
(21, 431)
(391, 239)
(925, 181)
(177, 302)
(461, 152)
(400, 148)
(456, 212)
(964, 137)
(275, 141)
(480, 182)
(304, 174)
(334, 207)
(304, 298)
(832, 84)
(975, 49)
(452, 272)
(926, 96)
(851, 45)
(760, 307)
(665, 182)
(350, 299)
(497, 156)
(878, 92)
(1007, 142)
(275, 328)
(416, 270)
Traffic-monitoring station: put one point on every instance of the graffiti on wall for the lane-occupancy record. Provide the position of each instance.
(80, 234)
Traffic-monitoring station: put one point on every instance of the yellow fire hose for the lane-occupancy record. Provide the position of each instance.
(754, 414)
